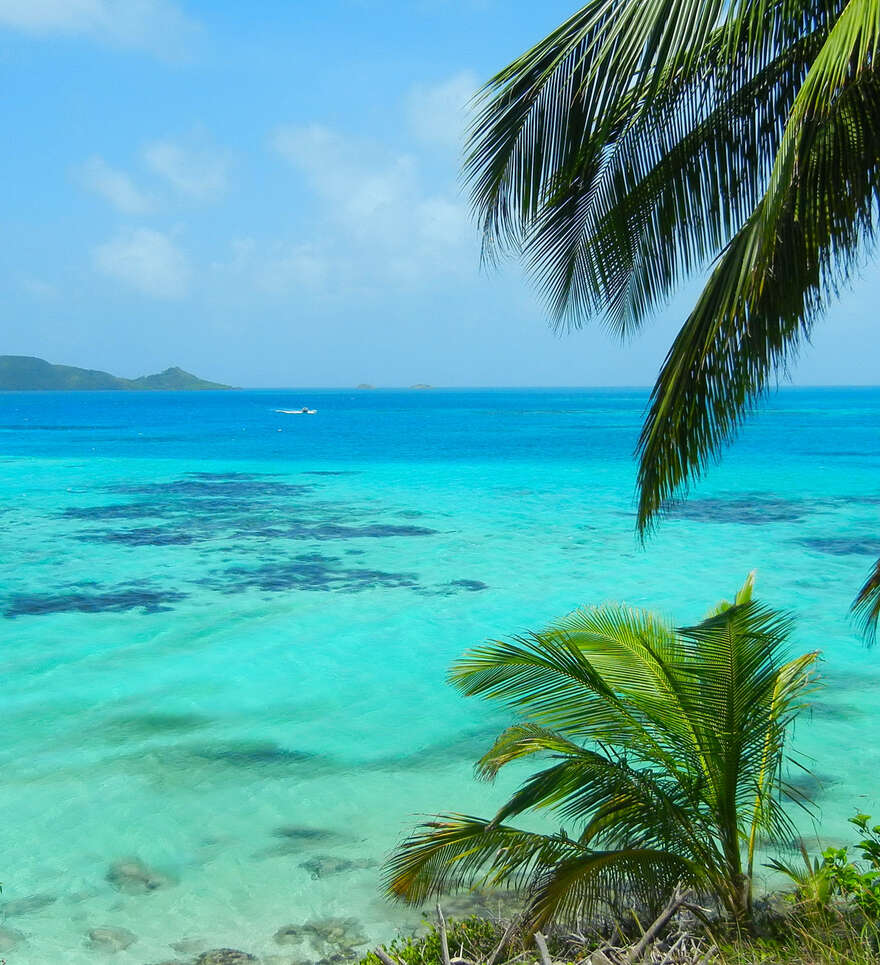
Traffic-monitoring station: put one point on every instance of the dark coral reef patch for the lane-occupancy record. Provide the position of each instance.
(753, 509)
(116, 600)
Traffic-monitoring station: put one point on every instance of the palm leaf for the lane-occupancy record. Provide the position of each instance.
(866, 606)
(668, 761)
(576, 888)
(646, 139)
(457, 851)
(523, 740)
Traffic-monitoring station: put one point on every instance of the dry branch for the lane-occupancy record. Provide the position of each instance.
(384, 957)
(541, 942)
(663, 919)
(444, 941)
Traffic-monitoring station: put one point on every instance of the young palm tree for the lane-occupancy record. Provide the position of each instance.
(666, 755)
(645, 140)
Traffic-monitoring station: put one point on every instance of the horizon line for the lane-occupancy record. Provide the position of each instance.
(503, 388)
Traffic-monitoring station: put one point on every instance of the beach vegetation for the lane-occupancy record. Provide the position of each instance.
(473, 938)
(644, 145)
(835, 882)
(663, 751)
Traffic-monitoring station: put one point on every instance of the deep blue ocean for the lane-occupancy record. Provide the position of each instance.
(225, 630)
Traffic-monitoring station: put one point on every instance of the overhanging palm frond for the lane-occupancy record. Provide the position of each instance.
(866, 606)
(645, 140)
(540, 113)
(614, 239)
(847, 58)
(747, 325)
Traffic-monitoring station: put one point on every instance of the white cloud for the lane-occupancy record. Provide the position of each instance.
(377, 218)
(147, 261)
(291, 268)
(197, 170)
(364, 185)
(114, 186)
(439, 113)
(278, 268)
(155, 25)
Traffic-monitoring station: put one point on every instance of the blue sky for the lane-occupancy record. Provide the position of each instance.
(267, 194)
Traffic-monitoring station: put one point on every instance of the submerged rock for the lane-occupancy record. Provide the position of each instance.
(337, 958)
(298, 832)
(333, 939)
(284, 849)
(24, 906)
(343, 933)
(133, 877)
(326, 865)
(110, 939)
(9, 939)
(224, 956)
(290, 935)
(82, 894)
(189, 946)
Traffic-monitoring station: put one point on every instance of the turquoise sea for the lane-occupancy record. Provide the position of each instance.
(225, 630)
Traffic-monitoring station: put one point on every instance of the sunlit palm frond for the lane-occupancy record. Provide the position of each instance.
(745, 697)
(458, 850)
(669, 764)
(523, 740)
(561, 878)
(550, 676)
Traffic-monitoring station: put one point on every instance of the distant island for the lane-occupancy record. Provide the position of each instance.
(365, 385)
(21, 373)
(421, 385)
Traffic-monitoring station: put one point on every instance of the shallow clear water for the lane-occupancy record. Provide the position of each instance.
(223, 625)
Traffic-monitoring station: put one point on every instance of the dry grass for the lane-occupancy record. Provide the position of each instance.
(815, 940)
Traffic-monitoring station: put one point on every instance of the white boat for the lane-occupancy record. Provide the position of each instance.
(305, 410)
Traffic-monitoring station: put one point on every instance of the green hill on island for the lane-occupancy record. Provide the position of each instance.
(21, 373)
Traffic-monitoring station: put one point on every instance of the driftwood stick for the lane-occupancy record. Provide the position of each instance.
(444, 940)
(710, 955)
(663, 919)
(505, 938)
(541, 942)
(384, 957)
(669, 957)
